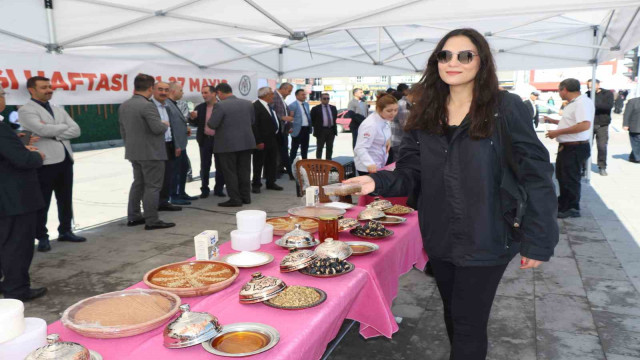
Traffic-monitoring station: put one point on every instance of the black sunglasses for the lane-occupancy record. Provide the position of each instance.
(325, 98)
(464, 57)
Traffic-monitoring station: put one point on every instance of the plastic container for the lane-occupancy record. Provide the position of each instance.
(341, 189)
(266, 236)
(246, 240)
(251, 220)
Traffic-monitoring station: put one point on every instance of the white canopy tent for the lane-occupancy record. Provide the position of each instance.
(280, 38)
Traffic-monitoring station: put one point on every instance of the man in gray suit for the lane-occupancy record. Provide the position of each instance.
(143, 133)
(631, 123)
(232, 119)
(55, 128)
(172, 140)
(178, 130)
(180, 110)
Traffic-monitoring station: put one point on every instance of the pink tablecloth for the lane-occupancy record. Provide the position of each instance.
(364, 295)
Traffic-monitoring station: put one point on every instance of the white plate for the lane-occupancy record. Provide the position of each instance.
(232, 258)
(339, 205)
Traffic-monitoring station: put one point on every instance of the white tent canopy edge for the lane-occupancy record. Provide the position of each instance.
(278, 38)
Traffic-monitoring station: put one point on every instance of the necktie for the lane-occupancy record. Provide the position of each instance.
(273, 116)
(306, 112)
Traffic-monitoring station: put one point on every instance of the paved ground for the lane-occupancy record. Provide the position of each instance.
(583, 304)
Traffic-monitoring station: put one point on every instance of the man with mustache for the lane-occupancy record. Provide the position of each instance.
(55, 128)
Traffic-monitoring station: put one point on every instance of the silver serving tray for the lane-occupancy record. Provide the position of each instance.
(316, 211)
(372, 247)
(281, 243)
(396, 220)
(267, 330)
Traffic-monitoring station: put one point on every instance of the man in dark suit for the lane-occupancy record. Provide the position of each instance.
(533, 108)
(323, 119)
(233, 119)
(20, 200)
(206, 138)
(265, 129)
(143, 132)
(604, 104)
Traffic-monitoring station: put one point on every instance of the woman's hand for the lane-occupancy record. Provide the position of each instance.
(367, 183)
(526, 263)
(372, 169)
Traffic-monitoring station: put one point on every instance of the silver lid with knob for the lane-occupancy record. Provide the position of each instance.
(190, 328)
(60, 350)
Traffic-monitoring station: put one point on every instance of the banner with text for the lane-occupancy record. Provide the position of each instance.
(86, 80)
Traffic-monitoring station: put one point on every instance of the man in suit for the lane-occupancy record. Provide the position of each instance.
(631, 123)
(173, 139)
(178, 192)
(20, 201)
(301, 126)
(604, 104)
(205, 138)
(266, 130)
(283, 114)
(55, 128)
(533, 108)
(143, 133)
(358, 111)
(323, 119)
(233, 119)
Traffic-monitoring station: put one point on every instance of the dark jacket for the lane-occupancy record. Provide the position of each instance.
(317, 119)
(19, 188)
(199, 122)
(632, 115)
(604, 104)
(264, 128)
(459, 207)
(356, 120)
(532, 114)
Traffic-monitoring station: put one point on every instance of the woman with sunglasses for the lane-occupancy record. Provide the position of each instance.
(374, 136)
(452, 151)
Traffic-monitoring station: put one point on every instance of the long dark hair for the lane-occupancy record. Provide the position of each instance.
(430, 94)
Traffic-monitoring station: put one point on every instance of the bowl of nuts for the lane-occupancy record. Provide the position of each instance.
(328, 267)
(297, 297)
(398, 210)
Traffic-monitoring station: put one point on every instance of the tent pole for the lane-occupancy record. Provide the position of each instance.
(379, 41)
(362, 47)
(280, 60)
(593, 98)
(52, 46)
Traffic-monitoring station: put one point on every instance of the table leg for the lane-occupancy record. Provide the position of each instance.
(334, 343)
